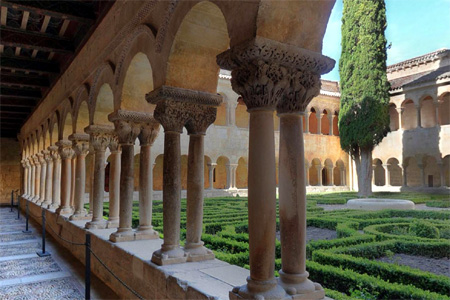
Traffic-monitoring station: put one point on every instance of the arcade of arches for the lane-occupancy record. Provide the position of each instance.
(172, 99)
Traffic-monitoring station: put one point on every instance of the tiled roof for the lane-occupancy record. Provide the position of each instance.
(420, 77)
(418, 60)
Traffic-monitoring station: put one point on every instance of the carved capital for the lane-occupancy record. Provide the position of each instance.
(54, 153)
(114, 144)
(100, 136)
(149, 132)
(201, 118)
(175, 107)
(65, 149)
(128, 124)
(268, 73)
(41, 157)
(80, 143)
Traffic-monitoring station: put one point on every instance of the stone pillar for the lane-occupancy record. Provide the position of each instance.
(201, 118)
(66, 152)
(127, 131)
(26, 173)
(233, 175)
(387, 175)
(149, 132)
(80, 143)
(319, 122)
(319, 174)
(37, 178)
(419, 121)
(400, 119)
(91, 181)
(330, 120)
(373, 175)
(211, 168)
(343, 178)
(72, 186)
(306, 116)
(114, 184)
(441, 173)
(100, 138)
(422, 174)
(330, 176)
(228, 169)
(48, 180)
(436, 110)
(56, 178)
(306, 174)
(32, 178)
(43, 176)
(171, 112)
(405, 179)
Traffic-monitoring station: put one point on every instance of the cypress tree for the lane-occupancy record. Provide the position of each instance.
(363, 115)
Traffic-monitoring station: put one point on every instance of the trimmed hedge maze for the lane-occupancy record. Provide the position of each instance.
(347, 266)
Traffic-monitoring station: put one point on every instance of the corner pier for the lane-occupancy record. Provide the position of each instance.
(192, 280)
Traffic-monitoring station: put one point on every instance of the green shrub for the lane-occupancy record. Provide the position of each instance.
(438, 203)
(423, 229)
(444, 233)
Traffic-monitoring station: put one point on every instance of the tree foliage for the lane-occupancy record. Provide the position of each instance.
(363, 115)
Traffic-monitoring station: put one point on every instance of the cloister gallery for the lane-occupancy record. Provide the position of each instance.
(186, 99)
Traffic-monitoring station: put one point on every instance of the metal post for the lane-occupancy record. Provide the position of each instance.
(26, 226)
(12, 199)
(87, 274)
(18, 207)
(43, 253)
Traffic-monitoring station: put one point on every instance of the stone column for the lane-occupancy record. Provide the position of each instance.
(405, 179)
(114, 184)
(343, 178)
(172, 114)
(373, 175)
(441, 173)
(43, 176)
(91, 181)
(32, 178)
(319, 174)
(400, 119)
(211, 168)
(306, 172)
(100, 137)
(127, 131)
(419, 121)
(330, 176)
(25, 165)
(72, 186)
(330, 120)
(201, 118)
(56, 178)
(37, 178)
(48, 180)
(319, 122)
(148, 134)
(66, 152)
(306, 116)
(422, 174)
(292, 187)
(228, 169)
(80, 143)
(233, 175)
(436, 110)
(387, 175)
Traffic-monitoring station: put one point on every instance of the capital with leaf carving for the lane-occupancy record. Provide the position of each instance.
(127, 125)
(54, 153)
(65, 149)
(80, 143)
(149, 131)
(100, 136)
(41, 157)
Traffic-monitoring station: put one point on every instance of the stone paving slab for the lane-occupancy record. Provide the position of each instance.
(16, 237)
(12, 228)
(63, 288)
(19, 249)
(27, 267)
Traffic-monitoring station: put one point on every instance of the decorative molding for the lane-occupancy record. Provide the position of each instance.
(201, 118)
(133, 116)
(149, 132)
(80, 143)
(183, 95)
(100, 136)
(65, 149)
(163, 28)
(423, 59)
(271, 51)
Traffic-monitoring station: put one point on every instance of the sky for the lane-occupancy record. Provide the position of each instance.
(414, 27)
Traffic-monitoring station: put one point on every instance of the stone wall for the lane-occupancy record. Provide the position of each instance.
(9, 169)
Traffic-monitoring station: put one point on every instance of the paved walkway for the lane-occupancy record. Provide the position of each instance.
(25, 275)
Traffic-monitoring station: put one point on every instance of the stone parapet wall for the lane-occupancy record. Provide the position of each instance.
(9, 169)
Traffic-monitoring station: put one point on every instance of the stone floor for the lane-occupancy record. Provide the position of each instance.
(25, 275)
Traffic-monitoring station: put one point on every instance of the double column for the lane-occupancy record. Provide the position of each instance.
(114, 184)
(56, 178)
(48, 180)
(176, 108)
(80, 142)
(270, 75)
(43, 164)
(66, 152)
(100, 138)
(37, 178)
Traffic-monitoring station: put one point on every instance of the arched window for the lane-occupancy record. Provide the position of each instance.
(409, 115)
(427, 113)
(393, 116)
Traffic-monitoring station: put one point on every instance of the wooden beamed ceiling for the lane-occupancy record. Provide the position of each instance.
(38, 41)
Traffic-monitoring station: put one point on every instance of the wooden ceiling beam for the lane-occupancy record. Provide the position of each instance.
(9, 115)
(29, 65)
(15, 102)
(20, 93)
(35, 40)
(68, 10)
(15, 79)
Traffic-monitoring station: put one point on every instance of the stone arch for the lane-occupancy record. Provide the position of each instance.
(313, 121)
(444, 109)
(335, 123)
(220, 176)
(158, 173)
(200, 37)
(81, 111)
(393, 117)
(66, 121)
(446, 169)
(326, 172)
(101, 95)
(395, 172)
(316, 165)
(339, 173)
(427, 112)
(325, 122)
(379, 178)
(409, 115)
(104, 105)
(54, 128)
(242, 173)
(413, 173)
(431, 172)
(242, 116)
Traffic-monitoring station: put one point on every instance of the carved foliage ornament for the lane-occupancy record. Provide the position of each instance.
(149, 132)
(100, 136)
(65, 149)
(201, 118)
(54, 153)
(172, 115)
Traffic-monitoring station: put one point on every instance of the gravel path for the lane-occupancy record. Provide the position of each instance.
(314, 233)
(328, 207)
(437, 266)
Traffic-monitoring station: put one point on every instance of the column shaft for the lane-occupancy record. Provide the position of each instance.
(114, 189)
(99, 192)
(72, 186)
(37, 184)
(80, 182)
(419, 117)
(49, 184)
(32, 182)
(42, 180)
(66, 182)
(387, 179)
(56, 194)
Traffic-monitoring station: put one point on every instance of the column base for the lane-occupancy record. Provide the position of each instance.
(298, 286)
(259, 290)
(146, 233)
(53, 206)
(197, 252)
(112, 223)
(101, 224)
(169, 257)
(46, 204)
(79, 216)
(122, 235)
(63, 210)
